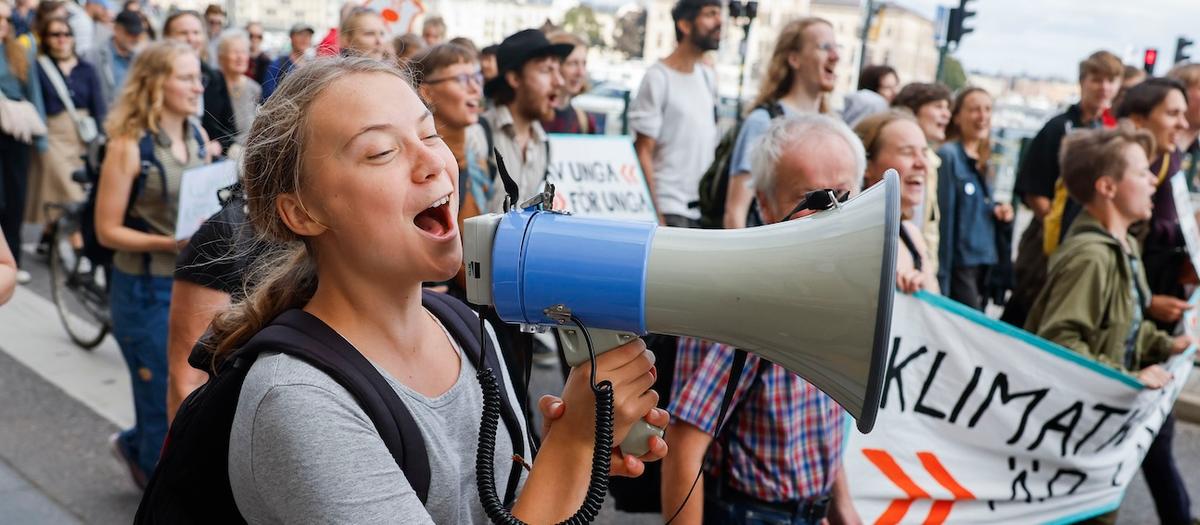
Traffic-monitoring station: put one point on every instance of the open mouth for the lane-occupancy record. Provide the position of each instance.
(436, 220)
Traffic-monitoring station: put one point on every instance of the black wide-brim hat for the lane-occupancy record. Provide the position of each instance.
(519, 48)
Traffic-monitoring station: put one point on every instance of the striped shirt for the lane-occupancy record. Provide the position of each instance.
(785, 439)
(526, 165)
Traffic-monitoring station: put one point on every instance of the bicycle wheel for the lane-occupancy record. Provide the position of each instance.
(79, 290)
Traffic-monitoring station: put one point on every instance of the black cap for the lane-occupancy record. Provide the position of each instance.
(519, 48)
(130, 21)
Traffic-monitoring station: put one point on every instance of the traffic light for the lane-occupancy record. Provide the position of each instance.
(958, 16)
(1181, 45)
(1149, 61)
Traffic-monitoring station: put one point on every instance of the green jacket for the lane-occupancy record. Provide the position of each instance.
(1087, 304)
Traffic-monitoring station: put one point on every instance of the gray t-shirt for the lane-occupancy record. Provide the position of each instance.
(677, 111)
(303, 451)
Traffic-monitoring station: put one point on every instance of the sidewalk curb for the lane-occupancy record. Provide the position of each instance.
(1187, 408)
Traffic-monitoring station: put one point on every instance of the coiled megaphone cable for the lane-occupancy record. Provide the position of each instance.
(489, 424)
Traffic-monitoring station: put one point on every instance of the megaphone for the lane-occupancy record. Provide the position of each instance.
(812, 294)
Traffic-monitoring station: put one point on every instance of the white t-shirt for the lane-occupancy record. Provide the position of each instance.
(677, 111)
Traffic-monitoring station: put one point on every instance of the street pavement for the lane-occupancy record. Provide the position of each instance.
(60, 404)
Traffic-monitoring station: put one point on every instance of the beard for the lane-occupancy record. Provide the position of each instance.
(710, 41)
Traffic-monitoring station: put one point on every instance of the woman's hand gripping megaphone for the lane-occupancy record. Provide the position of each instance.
(630, 368)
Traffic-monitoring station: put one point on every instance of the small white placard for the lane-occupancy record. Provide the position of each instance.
(198, 195)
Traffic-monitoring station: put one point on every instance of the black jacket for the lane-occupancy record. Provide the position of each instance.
(218, 108)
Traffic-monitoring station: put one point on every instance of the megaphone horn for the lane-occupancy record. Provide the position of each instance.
(812, 294)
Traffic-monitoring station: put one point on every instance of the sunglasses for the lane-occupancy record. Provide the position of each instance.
(255, 37)
(60, 34)
(819, 200)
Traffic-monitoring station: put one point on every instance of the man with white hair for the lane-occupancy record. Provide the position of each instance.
(780, 455)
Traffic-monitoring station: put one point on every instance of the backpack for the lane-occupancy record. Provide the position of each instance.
(191, 483)
(102, 255)
(714, 184)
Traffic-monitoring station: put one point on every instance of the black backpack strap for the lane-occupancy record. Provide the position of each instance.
(337, 358)
(773, 109)
(148, 160)
(201, 146)
(487, 135)
(463, 325)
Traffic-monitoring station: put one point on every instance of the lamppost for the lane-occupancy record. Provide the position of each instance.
(742, 13)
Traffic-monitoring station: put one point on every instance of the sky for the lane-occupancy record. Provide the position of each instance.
(1048, 38)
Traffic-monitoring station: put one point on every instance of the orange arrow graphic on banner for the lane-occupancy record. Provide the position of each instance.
(899, 507)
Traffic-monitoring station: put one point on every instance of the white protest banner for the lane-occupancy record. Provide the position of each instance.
(1187, 217)
(984, 423)
(198, 195)
(598, 176)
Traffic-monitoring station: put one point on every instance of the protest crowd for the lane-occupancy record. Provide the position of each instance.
(334, 137)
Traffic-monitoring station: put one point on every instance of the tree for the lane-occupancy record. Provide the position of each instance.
(953, 75)
(581, 20)
(629, 36)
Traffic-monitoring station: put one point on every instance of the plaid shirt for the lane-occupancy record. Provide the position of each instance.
(785, 440)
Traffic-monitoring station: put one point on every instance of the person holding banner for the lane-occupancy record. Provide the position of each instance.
(1159, 106)
(1096, 288)
(154, 113)
(893, 139)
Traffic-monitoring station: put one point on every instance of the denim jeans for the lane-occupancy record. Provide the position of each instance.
(724, 505)
(140, 305)
(744, 513)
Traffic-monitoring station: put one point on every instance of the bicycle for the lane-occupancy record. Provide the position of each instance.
(79, 286)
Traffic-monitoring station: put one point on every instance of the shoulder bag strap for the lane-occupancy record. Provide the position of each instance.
(60, 88)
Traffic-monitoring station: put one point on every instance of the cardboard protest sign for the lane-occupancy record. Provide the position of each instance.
(198, 195)
(598, 176)
(984, 423)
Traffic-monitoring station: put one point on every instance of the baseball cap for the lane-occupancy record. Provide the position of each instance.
(130, 21)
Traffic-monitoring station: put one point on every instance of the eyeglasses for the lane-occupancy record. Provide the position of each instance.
(60, 34)
(193, 79)
(465, 79)
(819, 200)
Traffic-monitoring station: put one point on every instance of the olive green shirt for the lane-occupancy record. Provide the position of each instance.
(1087, 304)
(157, 210)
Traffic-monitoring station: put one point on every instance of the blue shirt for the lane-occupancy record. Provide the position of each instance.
(120, 65)
(83, 84)
(968, 225)
(753, 127)
(275, 73)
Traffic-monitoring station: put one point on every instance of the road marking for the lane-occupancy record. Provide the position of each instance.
(31, 333)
